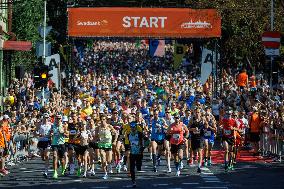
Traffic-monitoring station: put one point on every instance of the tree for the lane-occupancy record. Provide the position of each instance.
(27, 17)
(243, 22)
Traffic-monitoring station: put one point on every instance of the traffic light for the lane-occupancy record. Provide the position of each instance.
(41, 76)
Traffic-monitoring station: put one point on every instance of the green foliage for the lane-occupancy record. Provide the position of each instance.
(243, 22)
(27, 17)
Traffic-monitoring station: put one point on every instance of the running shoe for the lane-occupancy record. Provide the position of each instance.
(231, 167)
(209, 163)
(158, 161)
(178, 173)
(105, 176)
(92, 173)
(79, 172)
(110, 171)
(226, 168)
(181, 165)
(63, 170)
(45, 174)
(169, 170)
(155, 169)
(198, 170)
(11, 163)
(134, 184)
(55, 175)
(118, 168)
(205, 164)
(85, 174)
(124, 168)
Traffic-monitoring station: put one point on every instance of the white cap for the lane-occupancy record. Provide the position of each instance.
(46, 115)
(65, 118)
(6, 116)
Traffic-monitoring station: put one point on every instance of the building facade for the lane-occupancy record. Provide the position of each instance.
(3, 37)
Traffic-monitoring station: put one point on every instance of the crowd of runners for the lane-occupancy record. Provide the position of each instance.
(124, 105)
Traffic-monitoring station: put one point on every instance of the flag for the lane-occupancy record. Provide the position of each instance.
(179, 53)
(90, 44)
(137, 43)
(157, 48)
(208, 64)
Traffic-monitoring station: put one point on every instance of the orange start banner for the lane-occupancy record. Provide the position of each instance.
(144, 22)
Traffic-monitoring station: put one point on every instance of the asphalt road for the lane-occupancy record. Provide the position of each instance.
(253, 175)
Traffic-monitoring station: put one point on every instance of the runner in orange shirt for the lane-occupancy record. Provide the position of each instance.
(3, 149)
(242, 79)
(255, 128)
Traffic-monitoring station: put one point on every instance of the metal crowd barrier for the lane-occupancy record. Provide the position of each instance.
(272, 144)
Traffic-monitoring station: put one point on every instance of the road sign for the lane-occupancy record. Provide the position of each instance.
(53, 62)
(272, 52)
(271, 39)
(39, 49)
(41, 30)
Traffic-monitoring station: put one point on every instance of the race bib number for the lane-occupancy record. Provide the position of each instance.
(207, 133)
(158, 129)
(135, 143)
(227, 132)
(72, 132)
(196, 132)
(176, 136)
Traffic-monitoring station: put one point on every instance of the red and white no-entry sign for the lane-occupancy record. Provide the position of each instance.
(271, 39)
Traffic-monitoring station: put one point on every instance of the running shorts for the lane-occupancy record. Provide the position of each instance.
(80, 150)
(43, 144)
(94, 145)
(176, 147)
(230, 141)
(196, 144)
(60, 149)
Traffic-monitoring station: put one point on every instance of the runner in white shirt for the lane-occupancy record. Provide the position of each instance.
(44, 143)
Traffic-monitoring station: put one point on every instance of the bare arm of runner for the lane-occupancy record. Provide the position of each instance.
(169, 130)
(114, 132)
(186, 131)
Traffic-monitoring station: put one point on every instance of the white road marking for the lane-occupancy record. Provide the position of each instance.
(128, 186)
(78, 180)
(117, 178)
(213, 187)
(207, 173)
(28, 171)
(190, 183)
(211, 181)
(165, 184)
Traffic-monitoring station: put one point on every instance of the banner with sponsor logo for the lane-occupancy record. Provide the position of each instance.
(143, 22)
